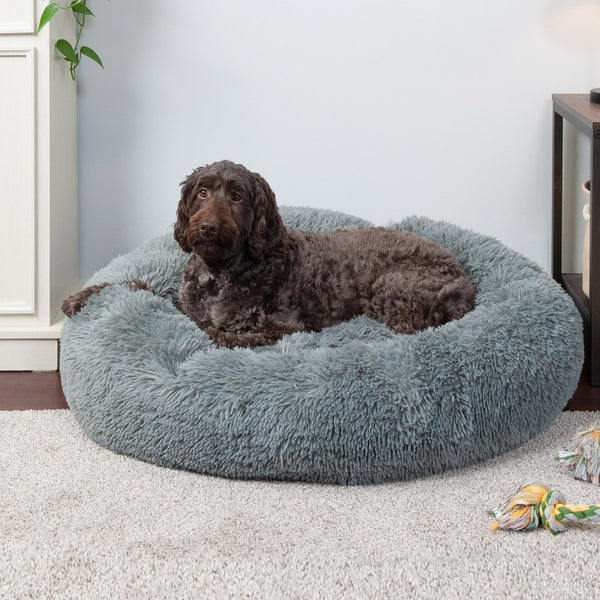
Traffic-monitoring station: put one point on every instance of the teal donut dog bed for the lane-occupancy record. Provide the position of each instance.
(352, 404)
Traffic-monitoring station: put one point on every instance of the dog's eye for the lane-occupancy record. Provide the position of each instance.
(235, 197)
(203, 193)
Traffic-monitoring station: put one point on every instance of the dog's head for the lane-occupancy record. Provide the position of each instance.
(226, 212)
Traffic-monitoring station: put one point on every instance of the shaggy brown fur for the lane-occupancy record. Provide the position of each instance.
(250, 280)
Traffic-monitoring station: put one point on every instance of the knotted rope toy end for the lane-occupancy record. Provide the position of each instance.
(533, 505)
(582, 455)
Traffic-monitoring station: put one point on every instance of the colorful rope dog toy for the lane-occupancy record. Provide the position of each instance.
(532, 505)
(582, 455)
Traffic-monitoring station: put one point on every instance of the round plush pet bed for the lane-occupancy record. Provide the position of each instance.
(352, 404)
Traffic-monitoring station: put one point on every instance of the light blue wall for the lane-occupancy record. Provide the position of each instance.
(379, 108)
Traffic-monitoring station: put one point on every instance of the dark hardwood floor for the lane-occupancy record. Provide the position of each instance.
(586, 397)
(27, 390)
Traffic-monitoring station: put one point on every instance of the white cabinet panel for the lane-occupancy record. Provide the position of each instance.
(17, 16)
(17, 183)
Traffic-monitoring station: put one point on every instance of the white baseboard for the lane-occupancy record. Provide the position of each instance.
(28, 355)
(29, 349)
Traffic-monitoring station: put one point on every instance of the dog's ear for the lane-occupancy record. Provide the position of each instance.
(183, 210)
(268, 230)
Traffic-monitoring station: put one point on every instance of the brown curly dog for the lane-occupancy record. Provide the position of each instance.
(250, 280)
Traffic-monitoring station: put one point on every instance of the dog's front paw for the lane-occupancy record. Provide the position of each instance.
(73, 304)
(220, 338)
(247, 339)
(136, 284)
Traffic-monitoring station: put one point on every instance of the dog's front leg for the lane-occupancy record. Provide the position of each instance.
(73, 304)
(247, 339)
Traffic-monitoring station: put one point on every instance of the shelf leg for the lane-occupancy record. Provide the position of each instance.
(595, 258)
(557, 196)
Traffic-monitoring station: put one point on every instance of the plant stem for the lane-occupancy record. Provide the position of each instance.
(73, 66)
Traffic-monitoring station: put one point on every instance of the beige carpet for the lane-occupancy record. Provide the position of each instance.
(77, 521)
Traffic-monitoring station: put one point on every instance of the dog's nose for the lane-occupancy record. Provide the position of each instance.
(209, 228)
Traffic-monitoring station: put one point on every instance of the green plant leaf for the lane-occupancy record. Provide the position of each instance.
(81, 8)
(48, 13)
(65, 48)
(87, 51)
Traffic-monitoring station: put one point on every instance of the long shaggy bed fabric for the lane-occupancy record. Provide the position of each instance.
(352, 404)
